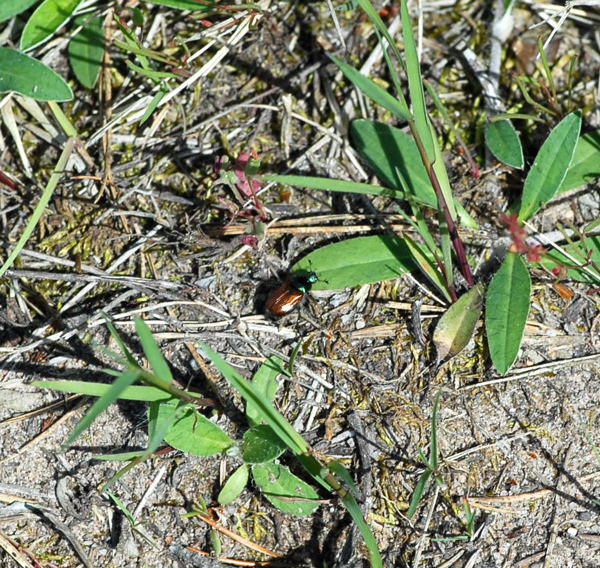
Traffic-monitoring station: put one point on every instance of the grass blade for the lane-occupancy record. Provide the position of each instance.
(59, 169)
(114, 391)
(151, 350)
(415, 84)
(372, 90)
(328, 184)
(268, 412)
(418, 493)
(135, 392)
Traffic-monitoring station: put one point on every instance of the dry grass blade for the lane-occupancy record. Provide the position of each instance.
(238, 538)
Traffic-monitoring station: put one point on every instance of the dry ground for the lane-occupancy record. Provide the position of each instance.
(522, 448)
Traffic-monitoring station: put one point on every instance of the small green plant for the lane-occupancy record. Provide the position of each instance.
(173, 418)
(431, 462)
(411, 168)
(433, 472)
(22, 74)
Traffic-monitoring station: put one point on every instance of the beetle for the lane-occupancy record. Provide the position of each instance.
(288, 294)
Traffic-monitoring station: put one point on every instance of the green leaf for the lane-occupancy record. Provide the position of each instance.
(503, 141)
(284, 490)
(193, 433)
(10, 8)
(294, 441)
(506, 308)
(234, 485)
(112, 394)
(349, 500)
(328, 184)
(550, 166)
(266, 384)
(136, 392)
(455, 328)
(372, 90)
(585, 165)
(129, 358)
(123, 508)
(151, 350)
(29, 77)
(159, 422)
(583, 251)
(158, 96)
(418, 493)
(150, 73)
(86, 50)
(394, 157)
(357, 261)
(45, 20)
(261, 444)
(186, 4)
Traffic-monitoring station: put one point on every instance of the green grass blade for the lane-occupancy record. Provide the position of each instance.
(428, 266)
(381, 28)
(372, 90)
(415, 84)
(186, 4)
(328, 184)
(41, 206)
(418, 493)
(550, 166)
(159, 422)
(123, 508)
(151, 350)
(123, 456)
(158, 96)
(135, 392)
(353, 508)
(268, 412)
(112, 394)
(265, 382)
(506, 309)
(131, 360)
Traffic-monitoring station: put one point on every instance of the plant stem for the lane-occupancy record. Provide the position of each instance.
(459, 248)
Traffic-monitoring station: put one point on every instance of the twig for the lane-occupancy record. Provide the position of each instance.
(534, 371)
(129, 281)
